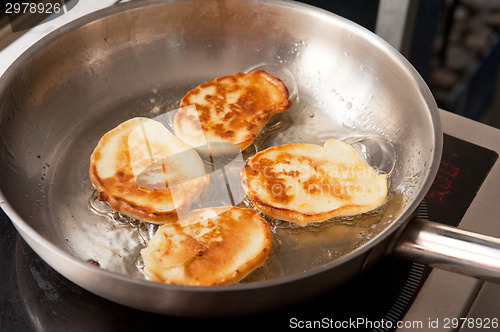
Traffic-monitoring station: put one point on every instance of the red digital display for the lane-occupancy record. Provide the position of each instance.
(443, 182)
(464, 166)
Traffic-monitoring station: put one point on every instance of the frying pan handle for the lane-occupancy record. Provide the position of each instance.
(451, 249)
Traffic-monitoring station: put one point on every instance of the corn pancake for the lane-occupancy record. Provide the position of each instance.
(211, 246)
(225, 115)
(306, 183)
(143, 171)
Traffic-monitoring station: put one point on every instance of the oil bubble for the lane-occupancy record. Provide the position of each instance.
(376, 151)
(283, 74)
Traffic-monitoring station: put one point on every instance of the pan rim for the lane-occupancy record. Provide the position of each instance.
(405, 216)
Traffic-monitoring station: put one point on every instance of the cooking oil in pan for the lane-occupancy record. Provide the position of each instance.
(295, 248)
(298, 248)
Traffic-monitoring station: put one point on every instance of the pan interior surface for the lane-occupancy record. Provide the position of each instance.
(61, 96)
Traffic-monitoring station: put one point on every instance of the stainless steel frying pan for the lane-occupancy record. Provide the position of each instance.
(138, 59)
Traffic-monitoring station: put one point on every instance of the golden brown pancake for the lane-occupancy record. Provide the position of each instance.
(212, 246)
(225, 115)
(143, 171)
(305, 183)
